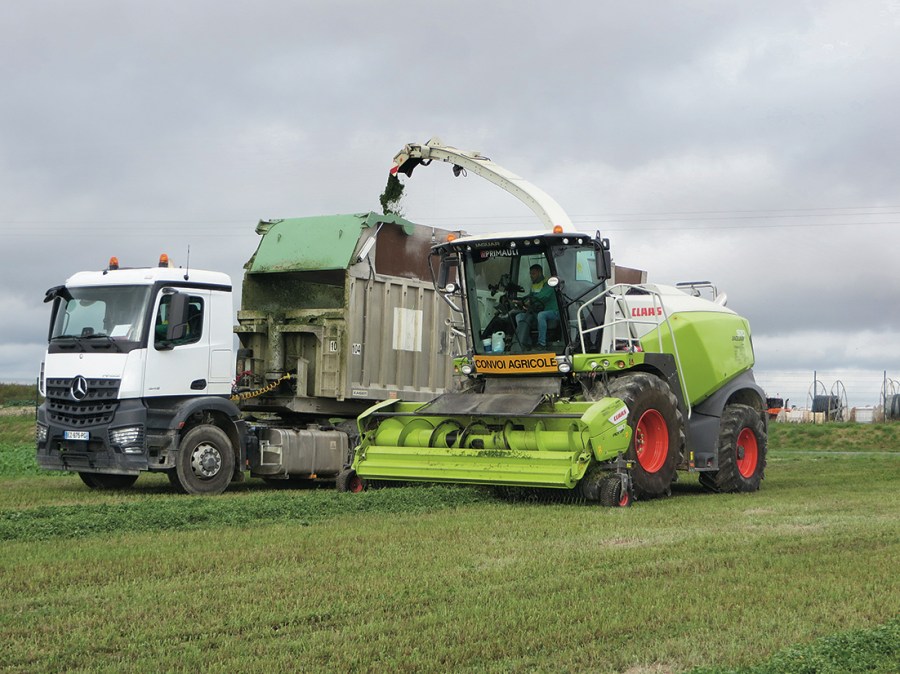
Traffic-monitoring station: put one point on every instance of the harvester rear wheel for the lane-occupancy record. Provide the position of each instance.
(657, 430)
(742, 452)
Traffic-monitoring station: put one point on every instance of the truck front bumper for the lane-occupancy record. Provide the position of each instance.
(116, 447)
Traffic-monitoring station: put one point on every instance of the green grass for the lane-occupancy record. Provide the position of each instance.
(18, 395)
(843, 437)
(871, 650)
(799, 577)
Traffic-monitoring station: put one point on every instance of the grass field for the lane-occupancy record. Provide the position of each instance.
(799, 577)
(23, 395)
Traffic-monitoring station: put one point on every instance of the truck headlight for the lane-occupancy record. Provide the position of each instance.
(563, 364)
(40, 433)
(129, 439)
(467, 369)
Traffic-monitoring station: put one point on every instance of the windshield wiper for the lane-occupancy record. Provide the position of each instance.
(75, 341)
(103, 335)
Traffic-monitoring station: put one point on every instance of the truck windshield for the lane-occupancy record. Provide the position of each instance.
(104, 314)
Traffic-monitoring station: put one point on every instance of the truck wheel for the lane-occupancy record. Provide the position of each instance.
(349, 481)
(205, 461)
(742, 452)
(105, 481)
(657, 431)
(612, 494)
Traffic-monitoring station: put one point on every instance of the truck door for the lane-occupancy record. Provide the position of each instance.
(179, 367)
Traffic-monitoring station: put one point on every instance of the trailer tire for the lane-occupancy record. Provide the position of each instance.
(349, 481)
(657, 428)
(107, 481)
(742, 452)
(205, 462)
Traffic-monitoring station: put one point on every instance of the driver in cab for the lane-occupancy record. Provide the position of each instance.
(540, 308)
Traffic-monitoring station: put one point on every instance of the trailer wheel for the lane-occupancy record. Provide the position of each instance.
(349, 481)
(742, 452)
(612, 492)
(657, 431)
(109, 482)
(205, 461)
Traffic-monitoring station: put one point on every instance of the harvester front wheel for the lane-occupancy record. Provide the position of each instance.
(742, 451)
(657, 430)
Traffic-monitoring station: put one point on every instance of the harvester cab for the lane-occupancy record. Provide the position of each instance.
(521, 293)
(570, 381)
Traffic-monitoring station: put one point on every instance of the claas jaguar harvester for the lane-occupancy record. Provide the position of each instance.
(622, 386)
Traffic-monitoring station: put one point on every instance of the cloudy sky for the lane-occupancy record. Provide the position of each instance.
(752, 144)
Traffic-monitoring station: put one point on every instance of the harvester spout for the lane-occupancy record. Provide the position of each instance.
(542, 204)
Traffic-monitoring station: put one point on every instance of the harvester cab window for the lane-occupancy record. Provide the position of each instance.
(498, 276)
(576, 268)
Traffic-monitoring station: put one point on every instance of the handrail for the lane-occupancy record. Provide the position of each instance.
(617, 293)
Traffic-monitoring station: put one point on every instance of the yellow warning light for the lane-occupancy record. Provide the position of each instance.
(451, 238)
(557, 229)
(163, 260)
(113, 262)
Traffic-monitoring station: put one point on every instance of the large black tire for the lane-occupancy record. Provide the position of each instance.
(742, 451)
(107, 481)
(349, 481)
(657, 428)
(205, 462)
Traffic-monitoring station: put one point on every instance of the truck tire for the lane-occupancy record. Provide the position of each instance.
(349, 481)
(109, 482)
(742, 452)
(657, 428)
(205, 461)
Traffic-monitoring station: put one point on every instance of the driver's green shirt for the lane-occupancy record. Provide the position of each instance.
(543, 294)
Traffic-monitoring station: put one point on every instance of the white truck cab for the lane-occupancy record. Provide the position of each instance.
(135, 359)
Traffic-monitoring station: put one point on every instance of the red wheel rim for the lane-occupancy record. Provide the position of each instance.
(747, 452)
(651, 441)
(354, 484)
(624, 499)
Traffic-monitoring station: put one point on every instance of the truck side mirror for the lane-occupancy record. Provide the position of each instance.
(177, 318)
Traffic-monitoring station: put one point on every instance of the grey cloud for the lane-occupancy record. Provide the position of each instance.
(133, 129)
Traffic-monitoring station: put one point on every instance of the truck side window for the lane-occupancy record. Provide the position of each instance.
(194, 330)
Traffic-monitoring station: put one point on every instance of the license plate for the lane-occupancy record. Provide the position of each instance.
(77, 435)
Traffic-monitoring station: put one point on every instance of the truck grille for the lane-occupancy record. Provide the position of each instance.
(96, 407)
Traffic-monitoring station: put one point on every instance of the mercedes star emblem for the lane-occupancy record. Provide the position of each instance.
(79, 388)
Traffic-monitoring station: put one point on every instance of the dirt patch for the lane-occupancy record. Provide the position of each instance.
(16, 411)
